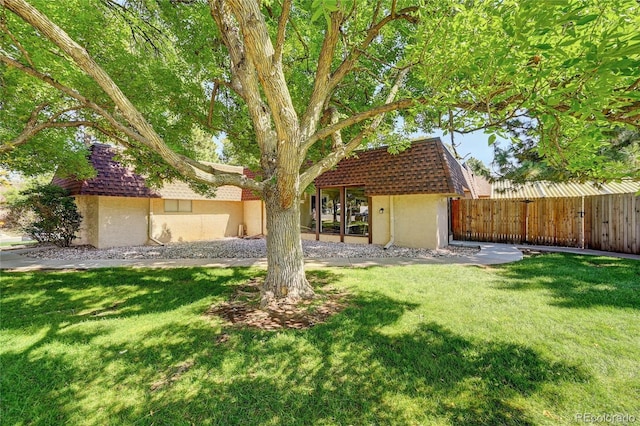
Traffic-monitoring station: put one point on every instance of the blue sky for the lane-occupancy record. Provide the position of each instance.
(469, 145)
(474, 144)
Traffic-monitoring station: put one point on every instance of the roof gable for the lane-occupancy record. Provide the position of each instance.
(113, 179)
(426, 167)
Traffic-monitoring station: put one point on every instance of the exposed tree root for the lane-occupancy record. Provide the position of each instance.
(243, 309)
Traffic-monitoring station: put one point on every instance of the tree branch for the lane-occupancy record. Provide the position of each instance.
(345, 67)
(324, 87)
(75, 95)
(5, 29)
(30, 131)
(282, 26)
(244, 77)
(260, 51)
(357, 118)
(86, 63)
(321, 87)
(341, 151)
(212, 103)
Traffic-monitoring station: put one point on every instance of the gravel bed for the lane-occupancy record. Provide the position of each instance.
(241, 248)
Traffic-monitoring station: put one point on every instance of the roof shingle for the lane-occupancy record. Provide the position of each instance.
(113, 179)
(426, 167)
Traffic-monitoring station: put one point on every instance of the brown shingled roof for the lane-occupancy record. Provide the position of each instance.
(115, 180)
(424, 168)
(112, 179)
(247, 194)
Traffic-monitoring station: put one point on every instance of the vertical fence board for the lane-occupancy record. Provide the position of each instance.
(611, 222)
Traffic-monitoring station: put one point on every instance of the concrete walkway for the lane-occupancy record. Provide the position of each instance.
(572, 250)
(490, 254)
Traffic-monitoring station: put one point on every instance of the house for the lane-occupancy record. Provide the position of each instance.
(119, 209)
(372, 197)
(400, 199)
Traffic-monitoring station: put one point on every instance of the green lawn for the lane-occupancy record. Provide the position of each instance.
(537, 342)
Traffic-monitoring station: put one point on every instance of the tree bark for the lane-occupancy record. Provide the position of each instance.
(286, 280)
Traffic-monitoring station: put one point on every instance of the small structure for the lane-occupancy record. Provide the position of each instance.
(372, 197)
(380, 198)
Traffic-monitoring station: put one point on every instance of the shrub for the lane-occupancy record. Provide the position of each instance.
(55, 217)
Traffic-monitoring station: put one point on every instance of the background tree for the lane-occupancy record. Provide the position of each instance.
(302, 84)
(522, 162)
(478, 167)
(52, 215)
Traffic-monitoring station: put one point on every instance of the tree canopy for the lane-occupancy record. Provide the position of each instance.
(568, 69)
(299, 85)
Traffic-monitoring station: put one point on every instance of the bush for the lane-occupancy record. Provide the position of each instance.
(55, 217)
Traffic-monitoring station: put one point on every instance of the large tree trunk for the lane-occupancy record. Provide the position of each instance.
(286, 280)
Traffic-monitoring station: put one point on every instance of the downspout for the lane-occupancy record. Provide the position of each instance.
(392, 224)
(150, 225)
(261, 217)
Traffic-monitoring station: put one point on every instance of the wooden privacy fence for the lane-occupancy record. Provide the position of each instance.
(602, 222)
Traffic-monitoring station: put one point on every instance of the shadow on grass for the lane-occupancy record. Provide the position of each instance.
(347, 371)
(44, 298)
(578, 281)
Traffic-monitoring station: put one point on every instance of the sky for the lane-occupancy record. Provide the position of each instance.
(474, 144)
(468, 145)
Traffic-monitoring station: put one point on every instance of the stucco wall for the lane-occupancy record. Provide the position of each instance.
(306, 216)
(329, 238)
(356, 240)
(420, 220)
(122, 221)
(254, 214)
(380, 221)
(88, 209)
(208, 220)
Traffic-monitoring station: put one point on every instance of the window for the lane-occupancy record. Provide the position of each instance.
(330, 211)
(352, 218)
(177, 205)
(356, 212)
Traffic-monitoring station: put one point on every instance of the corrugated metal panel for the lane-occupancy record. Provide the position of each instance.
(506, 189)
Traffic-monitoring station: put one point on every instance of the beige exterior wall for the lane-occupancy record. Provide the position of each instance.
(208, 220)
(335, 238)
(255, 218)
(307, 236)
(356, 240)
(306, 217)
(419, 220)
(380, 233)
(329, 238)
(88, 209)
(122, 221)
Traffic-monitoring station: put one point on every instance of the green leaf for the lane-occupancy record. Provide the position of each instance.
(586, 19)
